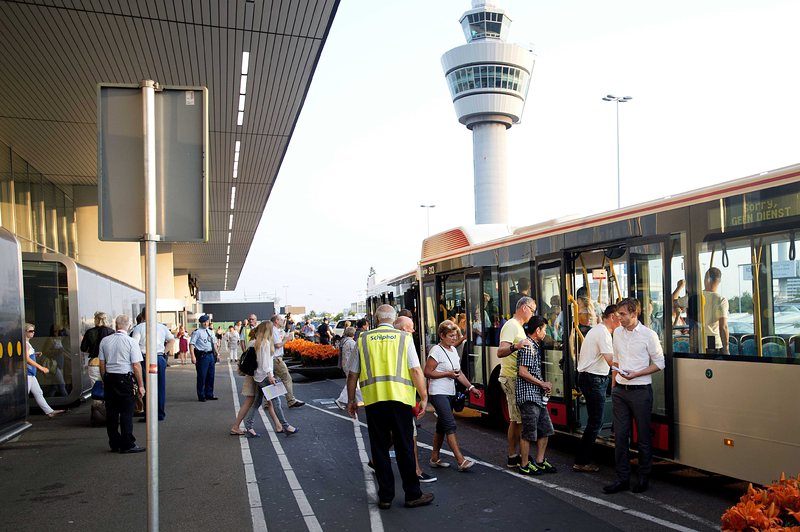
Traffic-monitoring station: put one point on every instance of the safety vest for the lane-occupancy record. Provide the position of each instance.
(384, 366)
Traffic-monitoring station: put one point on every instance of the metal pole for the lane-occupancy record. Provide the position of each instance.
(619, 201)
(150, 238)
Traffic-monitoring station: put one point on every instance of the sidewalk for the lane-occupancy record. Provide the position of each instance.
(60, 475)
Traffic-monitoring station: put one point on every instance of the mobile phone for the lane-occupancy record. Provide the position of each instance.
(620, 371)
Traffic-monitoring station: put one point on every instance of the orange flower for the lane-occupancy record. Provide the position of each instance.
(777, 507)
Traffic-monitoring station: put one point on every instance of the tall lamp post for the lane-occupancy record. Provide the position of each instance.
(428, 212)
(618, 100)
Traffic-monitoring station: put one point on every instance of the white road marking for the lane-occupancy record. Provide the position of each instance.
(297, 490)
(574, 493)
(253, 495)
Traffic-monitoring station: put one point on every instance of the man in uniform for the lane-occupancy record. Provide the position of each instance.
(164, 343)
(388, 362)
(637, 355)
(512, 339)
(202, 347)
(119, 364)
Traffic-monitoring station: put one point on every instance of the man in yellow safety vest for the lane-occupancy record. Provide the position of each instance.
(389, 373)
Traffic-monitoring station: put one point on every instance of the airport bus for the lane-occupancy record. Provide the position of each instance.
(731, 410)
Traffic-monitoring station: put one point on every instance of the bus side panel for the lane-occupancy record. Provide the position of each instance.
(13, 366)
(752, 405)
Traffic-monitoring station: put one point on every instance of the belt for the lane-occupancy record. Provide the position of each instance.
(203, 353)
(633, 386)
(593, 375)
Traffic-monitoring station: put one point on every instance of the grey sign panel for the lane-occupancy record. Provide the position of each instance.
(181, 128)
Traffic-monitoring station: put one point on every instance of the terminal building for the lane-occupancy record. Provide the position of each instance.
(257, 60)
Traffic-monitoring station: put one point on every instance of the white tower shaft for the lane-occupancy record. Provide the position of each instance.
(489, 159)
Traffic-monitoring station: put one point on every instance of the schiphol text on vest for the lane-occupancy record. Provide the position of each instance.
(384, 367)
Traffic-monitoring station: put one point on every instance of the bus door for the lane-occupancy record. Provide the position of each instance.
(598, 278)
(646, 281)
(548, 276)
(476, 316)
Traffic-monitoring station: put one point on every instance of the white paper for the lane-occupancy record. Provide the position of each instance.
(274, 390)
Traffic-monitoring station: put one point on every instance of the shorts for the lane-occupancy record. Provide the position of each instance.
(536, 421)
(509, 386)
(249, 386)
(445, 421)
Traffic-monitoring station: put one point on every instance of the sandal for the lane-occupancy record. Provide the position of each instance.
(54, 413)
(466, 464)
(438, 463)
(252, 434)
(237, 432)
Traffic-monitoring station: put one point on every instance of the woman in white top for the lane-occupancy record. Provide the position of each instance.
(264, 376)
(33, 366)
(443, 367)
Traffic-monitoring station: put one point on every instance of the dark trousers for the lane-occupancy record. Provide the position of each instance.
(162, 386)
(593, 387)
(205, 374)
(632, 405)
(392, 422)
(119, 410)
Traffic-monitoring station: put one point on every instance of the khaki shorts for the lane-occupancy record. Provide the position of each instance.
(248, 386)
(509, 385)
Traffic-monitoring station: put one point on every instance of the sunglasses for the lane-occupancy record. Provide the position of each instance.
(30, 330)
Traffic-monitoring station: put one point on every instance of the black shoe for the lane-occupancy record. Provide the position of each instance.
(297, 404)
(424, 500)
(134, 449)
(616, 487)
(385, 505)
(215, 398)
(203, 400)
(642, 486)
(514, 461)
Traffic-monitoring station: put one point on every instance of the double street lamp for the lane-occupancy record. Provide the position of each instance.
(428, 212)
(618, 100)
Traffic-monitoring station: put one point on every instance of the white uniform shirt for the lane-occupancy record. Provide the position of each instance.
(597, 341)
(635, 350)
(139, 334)
(277, 337)
(119, 351)
(413, 358)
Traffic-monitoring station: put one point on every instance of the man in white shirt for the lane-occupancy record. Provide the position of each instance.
(281, 370)
(594, 362)
(164, 342)
(637, 355)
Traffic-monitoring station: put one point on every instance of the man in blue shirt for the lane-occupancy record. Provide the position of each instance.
(164, 342)
(202, 347)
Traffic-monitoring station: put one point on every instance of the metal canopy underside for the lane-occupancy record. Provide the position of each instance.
(53, 53)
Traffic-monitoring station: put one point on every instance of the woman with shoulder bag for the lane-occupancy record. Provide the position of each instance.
(443, 368)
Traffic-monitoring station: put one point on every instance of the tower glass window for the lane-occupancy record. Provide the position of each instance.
(488, 77)
(483, 25)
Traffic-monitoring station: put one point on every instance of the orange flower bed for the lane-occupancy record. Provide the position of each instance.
(776, 507)
(311, 350)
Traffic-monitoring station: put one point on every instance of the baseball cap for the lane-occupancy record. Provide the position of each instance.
(204, 318)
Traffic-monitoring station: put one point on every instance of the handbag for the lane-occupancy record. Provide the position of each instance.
(248, 362)
(98, 391)
(459, 400)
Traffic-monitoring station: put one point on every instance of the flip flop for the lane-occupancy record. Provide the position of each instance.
(237, 433)
(438, 463)
(466, 464)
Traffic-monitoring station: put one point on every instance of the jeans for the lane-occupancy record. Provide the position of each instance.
(593, 387)
(632, 405)
(249, 419)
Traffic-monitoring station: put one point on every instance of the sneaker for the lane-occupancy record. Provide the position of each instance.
(514, 461)
(585, 468)
(529, 469)
(546, 467)
(424, 477)
(424, 500)
(297, 404)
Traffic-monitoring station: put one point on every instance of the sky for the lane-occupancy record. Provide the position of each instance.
(716, 97)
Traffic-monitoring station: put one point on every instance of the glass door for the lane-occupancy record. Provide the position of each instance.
(476, 330)
(550, 303)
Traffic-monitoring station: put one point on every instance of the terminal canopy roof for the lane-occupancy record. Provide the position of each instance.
(54, 52)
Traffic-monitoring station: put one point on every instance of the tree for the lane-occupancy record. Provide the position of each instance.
(337, 317)
(311, 315)
(741, 304)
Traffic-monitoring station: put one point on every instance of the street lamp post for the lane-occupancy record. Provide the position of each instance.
(428, 212)
(618, 100)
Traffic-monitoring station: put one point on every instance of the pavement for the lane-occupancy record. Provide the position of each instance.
(61, 475)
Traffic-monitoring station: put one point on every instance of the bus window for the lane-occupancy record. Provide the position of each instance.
(515, 282)
(491, 313)
(723, 315)
(475, 330)
(682, 342)
(550, 303)
(429, 306)
(779, 302)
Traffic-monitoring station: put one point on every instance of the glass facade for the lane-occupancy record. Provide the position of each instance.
(488, 77)
(483, 24)
(40, 213)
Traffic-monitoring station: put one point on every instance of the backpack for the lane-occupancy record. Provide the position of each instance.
(248, 362)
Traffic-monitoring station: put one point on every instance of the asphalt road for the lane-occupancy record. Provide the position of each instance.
(59, 475)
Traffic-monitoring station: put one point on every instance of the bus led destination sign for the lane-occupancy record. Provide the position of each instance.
(748, 210)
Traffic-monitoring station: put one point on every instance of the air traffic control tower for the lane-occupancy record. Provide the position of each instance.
(488, 80)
